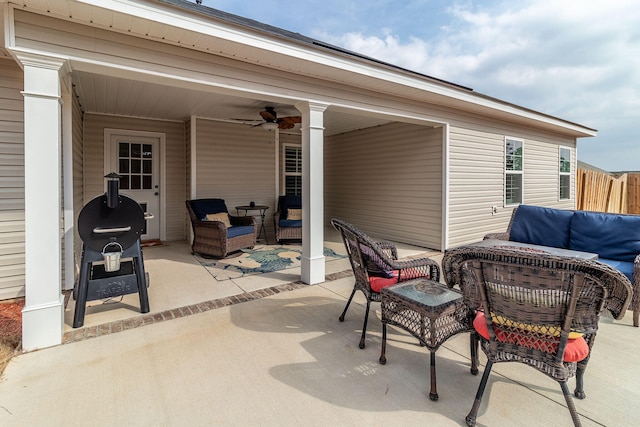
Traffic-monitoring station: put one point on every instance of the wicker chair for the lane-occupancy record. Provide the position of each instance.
(214, 238)
(287, 229)
(375, 265)
(528, 303)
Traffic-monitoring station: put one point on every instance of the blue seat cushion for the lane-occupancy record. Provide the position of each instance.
(290, 223)
(541, 226)
(611, 236)
(239, 230)
(623, 267)
(202, 207)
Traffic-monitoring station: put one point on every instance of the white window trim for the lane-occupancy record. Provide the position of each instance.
(569, 174)
(506, 172)
(284, 165)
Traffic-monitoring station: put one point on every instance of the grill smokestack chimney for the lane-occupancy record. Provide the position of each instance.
(113, 185)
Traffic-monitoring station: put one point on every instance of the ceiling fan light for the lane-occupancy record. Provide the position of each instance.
(270, 125)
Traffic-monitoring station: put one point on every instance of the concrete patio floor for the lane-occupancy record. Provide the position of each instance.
(286, 360)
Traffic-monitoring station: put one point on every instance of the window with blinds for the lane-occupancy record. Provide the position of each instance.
(564, 167)
(293, 170)
(513, 171)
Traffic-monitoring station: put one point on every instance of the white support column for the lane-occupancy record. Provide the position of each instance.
(313, 260)
(43, 313)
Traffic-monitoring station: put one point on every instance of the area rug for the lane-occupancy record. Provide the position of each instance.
(261, 259)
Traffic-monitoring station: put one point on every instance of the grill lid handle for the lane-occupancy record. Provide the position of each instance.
(103, 230)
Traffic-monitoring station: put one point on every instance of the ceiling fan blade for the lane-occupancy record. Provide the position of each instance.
(269, 114)
(289, 122)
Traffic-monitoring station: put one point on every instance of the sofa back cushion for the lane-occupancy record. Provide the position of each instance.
(202, 207)
(611, 236)
(288, 202)
(541, 226)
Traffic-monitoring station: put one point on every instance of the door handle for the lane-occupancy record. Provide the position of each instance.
(156, 193)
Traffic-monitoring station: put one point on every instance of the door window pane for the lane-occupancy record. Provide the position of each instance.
(135, 172)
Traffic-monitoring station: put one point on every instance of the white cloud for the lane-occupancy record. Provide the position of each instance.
(574, 59)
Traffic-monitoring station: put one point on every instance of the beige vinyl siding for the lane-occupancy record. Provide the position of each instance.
(476, 175)
(387, 181)
(187, 159)
(175, 161)
(78, 171)
(235, 163)
(12, 235)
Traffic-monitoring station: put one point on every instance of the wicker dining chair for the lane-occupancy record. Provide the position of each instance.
(536, 309)
(375, 265)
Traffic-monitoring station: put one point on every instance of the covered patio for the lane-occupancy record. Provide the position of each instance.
(283, 358)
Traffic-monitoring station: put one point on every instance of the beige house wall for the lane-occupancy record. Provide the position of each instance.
(174, 160)
(387, 181)
(476, 175)
(12, 236)
(236, 163)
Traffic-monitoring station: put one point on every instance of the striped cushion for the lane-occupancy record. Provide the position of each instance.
(577, 349)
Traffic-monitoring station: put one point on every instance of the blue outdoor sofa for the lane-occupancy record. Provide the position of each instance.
(614, 237)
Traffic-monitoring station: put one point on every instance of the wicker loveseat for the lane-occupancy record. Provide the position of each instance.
(614, 237)
(286, 227)
(212, 236)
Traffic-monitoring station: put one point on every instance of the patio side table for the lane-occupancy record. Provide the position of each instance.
(262, 209)
(428, 310)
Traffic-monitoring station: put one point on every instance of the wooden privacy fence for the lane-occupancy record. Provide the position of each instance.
(602, 192)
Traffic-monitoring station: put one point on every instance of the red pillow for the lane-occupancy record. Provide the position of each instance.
(577, 349)
(377, 283)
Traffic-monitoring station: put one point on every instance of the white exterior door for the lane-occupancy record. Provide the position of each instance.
(136, 159)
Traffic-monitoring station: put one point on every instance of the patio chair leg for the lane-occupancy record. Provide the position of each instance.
(473, 414)
(572, 407)
(346, 307)
(383, 351)
(364, 326)
(474, 343)
(579, 390)
(433, 394)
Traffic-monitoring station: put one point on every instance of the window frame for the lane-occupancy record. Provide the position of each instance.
(513, 172)
(298, 173)
(562, 173)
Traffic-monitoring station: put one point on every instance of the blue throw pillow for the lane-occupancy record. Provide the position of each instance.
(541, 226)
(611, 236)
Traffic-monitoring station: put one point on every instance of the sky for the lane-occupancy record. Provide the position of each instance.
(578, 60)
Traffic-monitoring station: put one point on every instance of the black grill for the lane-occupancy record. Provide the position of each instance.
(110, 227)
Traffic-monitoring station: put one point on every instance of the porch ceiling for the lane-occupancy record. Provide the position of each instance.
(117, 96)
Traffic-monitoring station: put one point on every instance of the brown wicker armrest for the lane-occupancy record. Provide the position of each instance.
(210, 225)
(242, 220)
(389, 249)
(414, 268)
(635, 301)
(496, 236)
